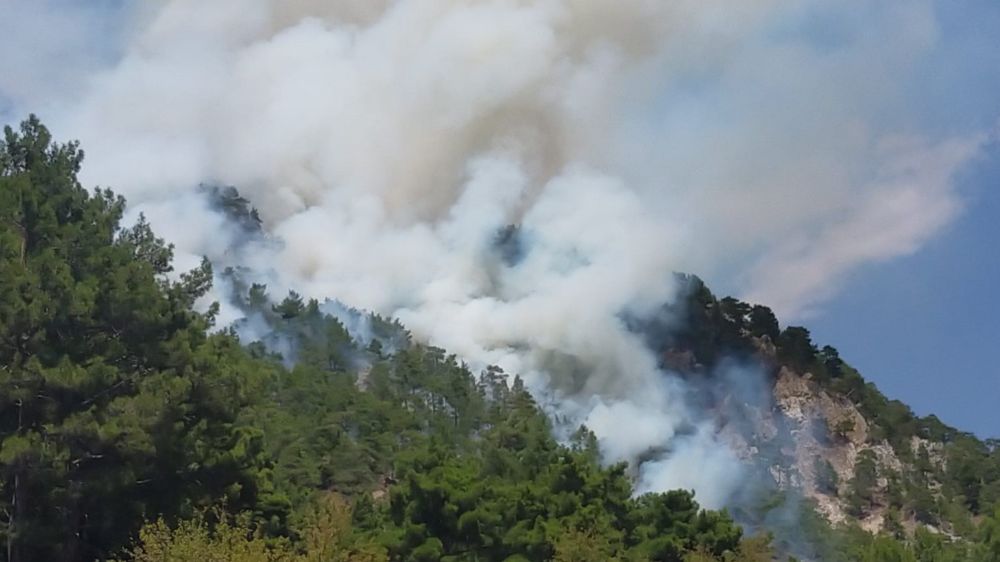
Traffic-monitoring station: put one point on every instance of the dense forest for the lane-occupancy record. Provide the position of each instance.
(134, 428)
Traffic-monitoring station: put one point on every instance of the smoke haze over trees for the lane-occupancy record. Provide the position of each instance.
(514, 183)
(382, 179)
(120, 406)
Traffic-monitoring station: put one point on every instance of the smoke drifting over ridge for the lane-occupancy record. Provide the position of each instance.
(387, 143)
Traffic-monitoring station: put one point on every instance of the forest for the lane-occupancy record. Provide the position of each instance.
(133, 427)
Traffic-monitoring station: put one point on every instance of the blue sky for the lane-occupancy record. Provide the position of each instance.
(924, 327)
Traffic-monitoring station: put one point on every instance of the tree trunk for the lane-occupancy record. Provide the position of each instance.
(15, 500)
(24, 239)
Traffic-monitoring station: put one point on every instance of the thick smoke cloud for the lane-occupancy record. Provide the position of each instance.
(767, 144)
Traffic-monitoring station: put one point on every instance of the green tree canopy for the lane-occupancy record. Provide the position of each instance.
(114, 400)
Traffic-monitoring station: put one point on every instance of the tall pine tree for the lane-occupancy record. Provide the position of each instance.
(115, 402)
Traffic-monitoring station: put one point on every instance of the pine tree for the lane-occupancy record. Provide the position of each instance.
(115, 401)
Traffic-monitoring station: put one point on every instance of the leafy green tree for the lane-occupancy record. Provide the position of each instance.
(763, 322)
(843, 428)
(796, 347)
(967, 465)
(884, 549)
(670, 524)
(831, 361)
(892, 524)
(923, 504)
(827, 481)
(863, 485)
(736, 311)
(989, 538)
(574, 545)
(115, 401)
(214, 535)
(755, 549)
(196, 540)
(291, 307)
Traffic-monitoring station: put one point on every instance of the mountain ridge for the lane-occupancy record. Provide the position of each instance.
(835, 415)
(130, 423)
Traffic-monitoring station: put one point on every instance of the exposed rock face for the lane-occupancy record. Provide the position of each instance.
(808, 423)
(832, 429)
(804, 419)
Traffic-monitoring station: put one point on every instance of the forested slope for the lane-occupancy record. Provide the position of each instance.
(122, 408)
(943, 475)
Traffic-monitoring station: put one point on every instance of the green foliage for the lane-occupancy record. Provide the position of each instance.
(963, 481)
(709, 329)
(196, 541)
(861, 496)
(235, 207)
(762, 322)
(472, 469)
(883, 549)
(989, 537)
(796, 348)
(118, 405)
(327, 536)
(115, 401)
(827, 481)
(843, 428)
(573, 545)
(830, 359)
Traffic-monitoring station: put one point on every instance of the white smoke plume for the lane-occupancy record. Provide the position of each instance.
(386, 143)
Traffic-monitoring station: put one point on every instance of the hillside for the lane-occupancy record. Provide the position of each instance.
(822, 430)
(133, 427)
